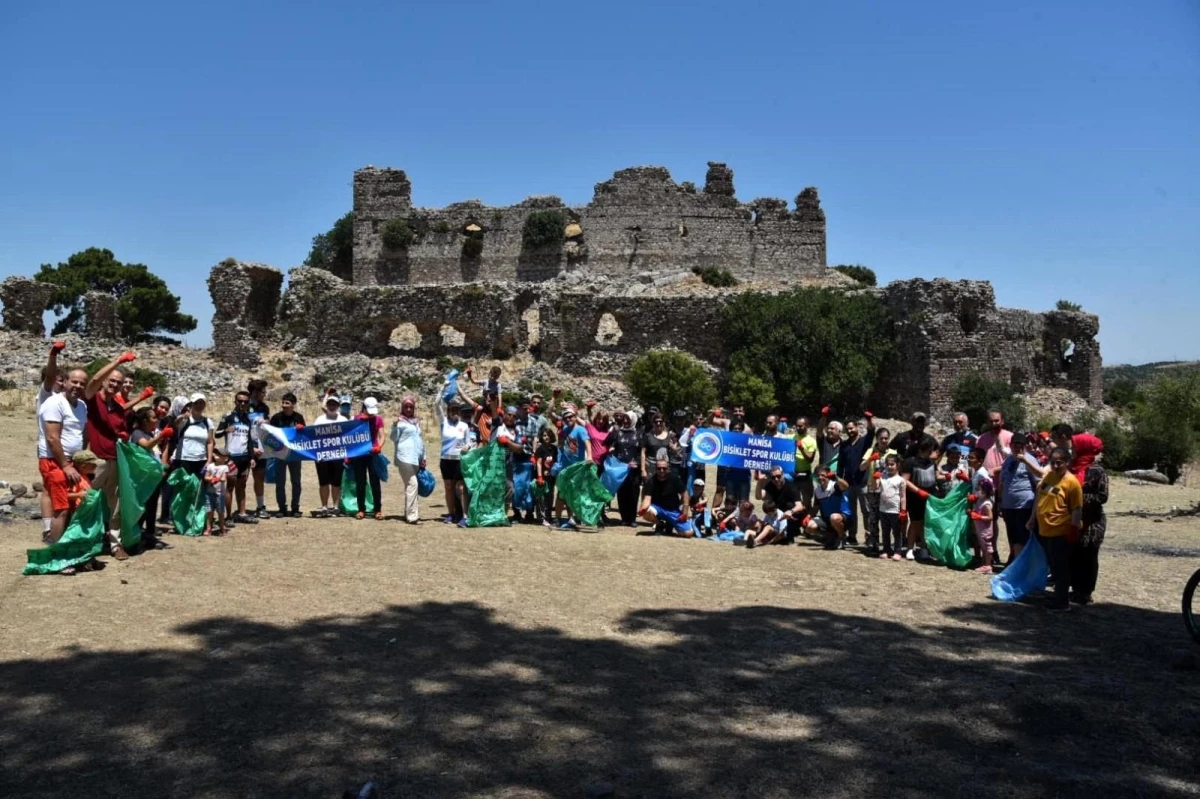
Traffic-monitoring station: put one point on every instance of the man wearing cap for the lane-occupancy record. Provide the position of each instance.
(574, 446)
(234, 430)
(908, 443)
(259, 414)
(506, 434)
(106, 426)
(330, 472)
(62, 427)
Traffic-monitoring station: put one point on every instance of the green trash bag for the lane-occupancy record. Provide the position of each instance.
(187, 503)
(350, 494)
(585, 495)
(947, 528)
(138, 476)
(81, 541)
(485, 477)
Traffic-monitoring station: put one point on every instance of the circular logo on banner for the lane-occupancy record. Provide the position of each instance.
(706, 447)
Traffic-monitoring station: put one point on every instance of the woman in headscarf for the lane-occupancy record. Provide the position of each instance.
(1085, 551)
(409, 456)
(625, 443)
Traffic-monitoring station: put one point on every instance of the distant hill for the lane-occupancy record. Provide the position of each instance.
(1144, 373)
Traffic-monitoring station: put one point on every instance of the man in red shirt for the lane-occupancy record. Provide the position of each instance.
(105, 426)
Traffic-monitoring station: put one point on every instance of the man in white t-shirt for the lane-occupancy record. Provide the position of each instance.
(62, 422)
(52, 383)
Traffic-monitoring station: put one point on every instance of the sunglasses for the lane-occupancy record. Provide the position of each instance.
(662, 468)
(1056, 464)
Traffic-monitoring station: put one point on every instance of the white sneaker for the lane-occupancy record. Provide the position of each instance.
(909, 555)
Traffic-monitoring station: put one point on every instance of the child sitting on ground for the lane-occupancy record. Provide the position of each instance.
(85, 463)
(746, 520)
(216, 477)
(701, 520)
(772, 528)
(725, 514)
(985, 523)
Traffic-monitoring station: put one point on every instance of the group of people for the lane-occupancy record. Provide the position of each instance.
(850, 477)
(82, 418)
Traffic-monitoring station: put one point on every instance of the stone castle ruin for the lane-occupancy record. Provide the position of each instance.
(617, 282)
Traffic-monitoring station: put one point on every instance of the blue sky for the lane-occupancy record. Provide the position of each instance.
(1051, 148)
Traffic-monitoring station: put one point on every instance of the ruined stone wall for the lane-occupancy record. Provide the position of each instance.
(246, 299)
(639, 220)
(945, 330)
(949, 329)
(25, 301)
(100, 318)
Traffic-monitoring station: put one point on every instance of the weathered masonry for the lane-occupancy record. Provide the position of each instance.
(639, 220)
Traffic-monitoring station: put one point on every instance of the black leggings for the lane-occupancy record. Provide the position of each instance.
(363, 467)
(628, 494)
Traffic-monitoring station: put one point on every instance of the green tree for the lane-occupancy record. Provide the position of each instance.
(544, 228)
(398, 234)
(145, 306)
(1067, 305)
(334, 251)
(1166, 425)
(751, 388)
(977, 394)
(814, 346)
(1123, 393)
(671, 380)
(1118, 445)
(715, 276)
(863, 274)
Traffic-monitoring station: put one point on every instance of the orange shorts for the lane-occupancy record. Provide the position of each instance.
(54, 481)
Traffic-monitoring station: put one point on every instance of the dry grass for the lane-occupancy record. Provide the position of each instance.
(298, 656)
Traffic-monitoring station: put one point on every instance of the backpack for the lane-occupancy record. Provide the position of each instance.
(179, 436)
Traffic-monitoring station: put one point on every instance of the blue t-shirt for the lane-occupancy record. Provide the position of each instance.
(1020, 486)
(572, 446)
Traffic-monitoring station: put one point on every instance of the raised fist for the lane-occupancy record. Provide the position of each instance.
(147, 393)
(877, 475)
(825, 411)
(868, 414)
(556, 391)
(126, 357)
(166, 432)
(58, 346)
(874, 456)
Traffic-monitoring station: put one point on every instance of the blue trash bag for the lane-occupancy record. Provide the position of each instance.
(425, 482)
(615, 472)
(451, 390)
(1025, 575)
(269, 477)
(381, 466)
(523, 486)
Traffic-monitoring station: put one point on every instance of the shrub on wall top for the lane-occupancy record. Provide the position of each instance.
(397, 234)
(715, 276)
(543, 228)
(863, 274)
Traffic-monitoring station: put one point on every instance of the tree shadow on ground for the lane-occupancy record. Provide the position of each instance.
(446, 700)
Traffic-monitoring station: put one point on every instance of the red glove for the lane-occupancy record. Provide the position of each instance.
(346, 462)
(903, 515)
(962, 476)
(469, 370)
(804, 522)
(868, 414)
(556, 391)
(972, 497)
(126, 357)
(590, 403)
(147, 393)
(375, 450)
(922, 493)
(124, 436)
(504, 440)
(877, 475)
(874, 456)
(541, 481)
(58, 346)
(825, 411)
(166, 432)
(978, 517)
(299, 427)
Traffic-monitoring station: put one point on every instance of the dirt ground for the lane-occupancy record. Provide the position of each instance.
(299, 657)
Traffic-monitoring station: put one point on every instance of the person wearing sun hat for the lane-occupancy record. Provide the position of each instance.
(364, 466)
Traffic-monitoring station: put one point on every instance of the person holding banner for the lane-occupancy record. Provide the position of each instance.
(259, 413)
(329, 473)
(409, 456)
(365, 465)
(665, 502)
(287, 417)
(454, 440)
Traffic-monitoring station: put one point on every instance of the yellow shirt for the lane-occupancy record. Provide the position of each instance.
(806, 451)
(1056, 498)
